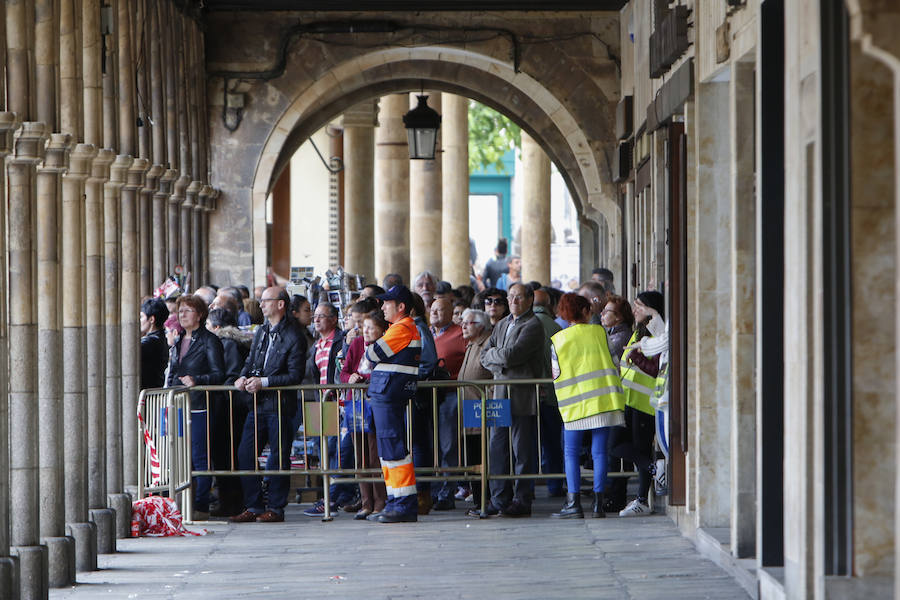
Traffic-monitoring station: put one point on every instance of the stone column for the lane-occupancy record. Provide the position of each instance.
(182, 88)
(110, 50)
(126, 79)
(20, 74)
(392, 192)
(167, 56)
(130, 307)
(359, 188)
(146, 225)
(92, 72)
(425, 187)
(61, 548)
(206, 199)
(202, 159)
(176, 197)
(743, 307)
(163, 183)
(23, 371)
(74, 363)
(8, 565)
(185, 230)
(95, 284)
(69, 78)
(536, 212)
(115, 484)
(455, 170)
(141, 52)
(46, 33)
(157, 117)
(194, 260)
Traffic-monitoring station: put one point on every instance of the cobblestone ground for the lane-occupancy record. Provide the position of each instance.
(444, 555)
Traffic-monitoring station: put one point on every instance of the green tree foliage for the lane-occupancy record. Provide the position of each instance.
(491, 135)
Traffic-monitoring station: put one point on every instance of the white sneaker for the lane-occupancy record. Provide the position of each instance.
(635, 508)
(660, 484)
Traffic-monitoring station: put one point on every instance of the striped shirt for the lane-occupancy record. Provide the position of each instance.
(323, 352)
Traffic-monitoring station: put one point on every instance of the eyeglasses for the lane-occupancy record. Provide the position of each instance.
(489, 301)
(182, 311)
(263, 300)
(515, 298)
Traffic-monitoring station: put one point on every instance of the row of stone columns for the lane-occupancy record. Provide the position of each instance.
(91, 154)
(421, 207)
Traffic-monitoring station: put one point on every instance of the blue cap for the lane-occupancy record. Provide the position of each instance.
(398, 293)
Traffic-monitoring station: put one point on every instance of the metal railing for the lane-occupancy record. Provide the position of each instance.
(164, 448)
(328, 411)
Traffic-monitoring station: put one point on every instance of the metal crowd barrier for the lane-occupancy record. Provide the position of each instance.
(332, 410)
(164, 446)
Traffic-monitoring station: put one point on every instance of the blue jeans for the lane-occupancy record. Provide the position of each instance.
(573, 439)
(264, 425)
(200, 460)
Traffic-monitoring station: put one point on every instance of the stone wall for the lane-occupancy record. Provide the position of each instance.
(563, 93)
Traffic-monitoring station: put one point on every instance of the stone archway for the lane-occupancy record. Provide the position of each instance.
(579, 146)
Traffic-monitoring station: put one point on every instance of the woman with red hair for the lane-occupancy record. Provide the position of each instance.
(590, 397)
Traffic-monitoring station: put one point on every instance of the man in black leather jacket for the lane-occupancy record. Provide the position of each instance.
(277, 358)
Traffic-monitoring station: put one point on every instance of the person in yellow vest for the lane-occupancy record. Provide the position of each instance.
(590, 398)
(635, 442)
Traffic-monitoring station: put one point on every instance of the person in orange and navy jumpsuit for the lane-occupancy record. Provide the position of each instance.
(395, 357)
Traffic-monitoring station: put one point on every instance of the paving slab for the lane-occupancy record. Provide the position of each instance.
(444, 555)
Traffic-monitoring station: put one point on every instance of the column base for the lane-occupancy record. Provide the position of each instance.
(61, 552)
(33, 569)
(85, 535)
(105, 519)
(121, 503)
(9, 577)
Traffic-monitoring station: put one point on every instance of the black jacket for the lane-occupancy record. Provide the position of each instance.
(236, 346)
(154, 359)
(204, 361)
(284, 367)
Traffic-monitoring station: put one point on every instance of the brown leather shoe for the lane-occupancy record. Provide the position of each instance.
(270, 517)
(424, 499)
(245, 517)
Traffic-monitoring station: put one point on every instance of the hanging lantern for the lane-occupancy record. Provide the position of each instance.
(422, 124)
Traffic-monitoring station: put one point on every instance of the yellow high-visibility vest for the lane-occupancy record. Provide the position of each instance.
(638, 385)
(588, 382)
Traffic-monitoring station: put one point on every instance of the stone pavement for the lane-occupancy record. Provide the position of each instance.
(444, 555)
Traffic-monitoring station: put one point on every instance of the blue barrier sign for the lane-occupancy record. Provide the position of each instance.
(498, 413)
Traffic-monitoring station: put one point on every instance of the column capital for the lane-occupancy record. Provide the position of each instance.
(100, 165)
(192, 199)
(213, 200)
(80, 160)
(137, 174)
(56, 158)
(178, 190)
(153, 176)
(206, 193)
(364, 114)
(165, 182)
(29, 142)
(118, 171)
(9, 122)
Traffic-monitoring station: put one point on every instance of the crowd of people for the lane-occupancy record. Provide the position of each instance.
(605, 356)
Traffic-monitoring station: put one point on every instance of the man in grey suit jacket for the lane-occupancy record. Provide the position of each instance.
(515, 351)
